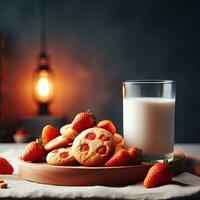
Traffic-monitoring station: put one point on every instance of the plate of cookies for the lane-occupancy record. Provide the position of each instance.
(84, 153)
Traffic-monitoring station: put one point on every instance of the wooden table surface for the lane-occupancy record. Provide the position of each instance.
(188, 185)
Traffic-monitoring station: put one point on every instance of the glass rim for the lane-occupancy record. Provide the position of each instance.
(149, 81)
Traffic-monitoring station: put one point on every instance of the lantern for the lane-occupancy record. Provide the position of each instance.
(43, 85)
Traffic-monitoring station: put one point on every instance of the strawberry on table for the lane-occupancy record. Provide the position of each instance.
(49, 133)
(136, 155)
(159, 174)
(108, 125)
(5, 166)
(82, 121)
(34, 152)
(120, 158)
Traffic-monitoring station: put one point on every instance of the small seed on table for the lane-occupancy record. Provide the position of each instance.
(3, 185)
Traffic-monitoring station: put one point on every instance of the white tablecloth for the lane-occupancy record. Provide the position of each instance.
(184, 185)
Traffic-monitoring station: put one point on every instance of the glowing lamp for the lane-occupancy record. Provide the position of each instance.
(43, 85)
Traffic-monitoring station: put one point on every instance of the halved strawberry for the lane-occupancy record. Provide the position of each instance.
(120, 158)
(108, 125)
(34, 152)
(159, 174)
(136, 155)
(82, 121)
(5, 166)
(48, 134)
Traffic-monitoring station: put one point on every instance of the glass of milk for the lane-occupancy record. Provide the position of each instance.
(148, 117)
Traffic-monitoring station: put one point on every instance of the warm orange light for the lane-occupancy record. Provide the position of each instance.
(43, 87)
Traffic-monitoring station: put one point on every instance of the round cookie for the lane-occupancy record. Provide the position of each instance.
(61, 156)
(68, 131)
(93, 146)
(57, 142)
(119, 140)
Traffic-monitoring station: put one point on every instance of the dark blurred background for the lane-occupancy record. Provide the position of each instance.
(95, 45)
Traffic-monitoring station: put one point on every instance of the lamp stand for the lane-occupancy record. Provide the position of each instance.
(43, 109)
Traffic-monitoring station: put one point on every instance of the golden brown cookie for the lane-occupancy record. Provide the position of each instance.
(119, 140)
(68, 131)
(60, 141)
(93, 147)
(61, 156)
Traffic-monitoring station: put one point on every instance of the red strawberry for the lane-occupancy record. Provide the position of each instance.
(5, 166)
(120, 158)
(34, 152)
(108, 125)
(21, 132)
(136, 155)
(49, 133)
(159, 174)
(82, 121)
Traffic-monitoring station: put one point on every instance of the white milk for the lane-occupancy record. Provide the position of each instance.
(149, 124)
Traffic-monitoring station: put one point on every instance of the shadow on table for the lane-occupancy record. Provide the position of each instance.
(179, 183)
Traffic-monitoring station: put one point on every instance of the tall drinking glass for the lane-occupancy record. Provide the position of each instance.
(148, 117)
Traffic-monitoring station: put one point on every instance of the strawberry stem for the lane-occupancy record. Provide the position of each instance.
(92, 115)
(39, 140)
(166, 161)
(145, 159)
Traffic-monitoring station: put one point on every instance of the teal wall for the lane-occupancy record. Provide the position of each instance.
(95, 45)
